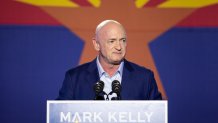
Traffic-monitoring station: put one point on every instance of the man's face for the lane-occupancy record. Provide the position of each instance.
(112, 43)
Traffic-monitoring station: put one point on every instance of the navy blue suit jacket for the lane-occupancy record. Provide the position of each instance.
(138, 83)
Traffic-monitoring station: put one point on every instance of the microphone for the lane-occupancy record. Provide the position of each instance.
(98, 88)
(116, 88)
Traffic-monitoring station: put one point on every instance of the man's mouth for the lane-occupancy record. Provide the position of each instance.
(117, 52)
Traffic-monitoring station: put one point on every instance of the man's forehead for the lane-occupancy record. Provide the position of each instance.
(112, 29)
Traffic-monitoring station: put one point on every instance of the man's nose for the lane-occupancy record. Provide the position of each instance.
(118, 46)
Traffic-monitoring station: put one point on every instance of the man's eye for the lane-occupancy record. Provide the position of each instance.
(123, 40)
(111, 41)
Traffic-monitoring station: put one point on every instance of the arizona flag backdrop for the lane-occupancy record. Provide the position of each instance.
(41, 39)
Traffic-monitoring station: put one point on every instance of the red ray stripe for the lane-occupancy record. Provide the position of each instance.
(82, 2)
(204, 17)
(12, 12)
(154, 3)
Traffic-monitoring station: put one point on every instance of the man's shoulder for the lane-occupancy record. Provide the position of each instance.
(137, 67)
(81, 68)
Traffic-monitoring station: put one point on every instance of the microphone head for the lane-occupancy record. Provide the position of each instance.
(98, 87)
(116, 87)
(99, 98)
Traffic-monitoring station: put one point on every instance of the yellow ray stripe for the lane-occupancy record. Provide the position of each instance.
(55, 3)
(187, 3)
(140, 3)
(95, 3)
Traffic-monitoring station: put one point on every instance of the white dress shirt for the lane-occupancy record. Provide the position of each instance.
(104, 76)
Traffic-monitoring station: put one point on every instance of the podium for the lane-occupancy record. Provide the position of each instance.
(107, 111)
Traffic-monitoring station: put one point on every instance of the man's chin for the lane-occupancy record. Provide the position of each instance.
(117, 62)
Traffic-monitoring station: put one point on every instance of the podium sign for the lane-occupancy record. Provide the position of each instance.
(107, 112)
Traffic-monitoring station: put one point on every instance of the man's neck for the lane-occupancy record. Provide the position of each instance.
(109, 68)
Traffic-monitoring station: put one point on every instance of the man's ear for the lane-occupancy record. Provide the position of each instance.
(96, 44)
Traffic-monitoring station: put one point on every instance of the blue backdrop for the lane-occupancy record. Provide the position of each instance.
(33, 63)
(188, 64)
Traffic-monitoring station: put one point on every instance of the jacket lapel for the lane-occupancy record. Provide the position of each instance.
(127, 82)
(92, 73)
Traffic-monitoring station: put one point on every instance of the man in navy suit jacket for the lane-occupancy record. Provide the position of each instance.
(110, 41)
